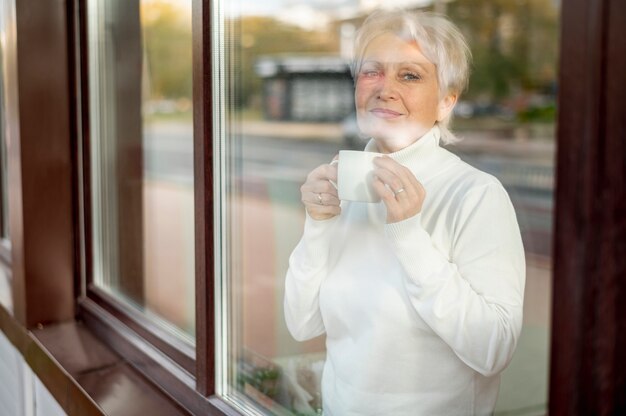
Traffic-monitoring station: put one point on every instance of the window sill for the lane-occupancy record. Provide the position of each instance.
(83, 374)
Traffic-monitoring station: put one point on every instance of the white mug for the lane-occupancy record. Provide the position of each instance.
(355, 174)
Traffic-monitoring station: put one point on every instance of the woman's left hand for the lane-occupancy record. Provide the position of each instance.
(396, 185)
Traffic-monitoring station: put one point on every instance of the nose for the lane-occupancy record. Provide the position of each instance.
(387, 89)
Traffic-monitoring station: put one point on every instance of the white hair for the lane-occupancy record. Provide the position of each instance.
(440, 41)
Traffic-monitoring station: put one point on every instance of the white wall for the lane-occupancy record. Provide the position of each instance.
(21, 392)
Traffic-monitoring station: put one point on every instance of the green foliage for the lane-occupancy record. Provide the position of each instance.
(166, 36)
(539, 114)
(514, 44)
(264, 380)
(256, 36)
(492, 74)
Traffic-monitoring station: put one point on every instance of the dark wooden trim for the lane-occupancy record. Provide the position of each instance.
(203, 196)
(70, 396)
(167, 343)
(77, 370)
(158, 368)
(588, 360)
(84, 192)
(203, 368)
(612, 395)
(40, 167)
(73, 49)
(126, 66)
(161, 339)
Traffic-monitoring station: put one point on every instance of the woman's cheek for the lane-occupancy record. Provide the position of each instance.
(365, 85)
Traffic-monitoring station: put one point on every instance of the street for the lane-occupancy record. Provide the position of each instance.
(262, 161)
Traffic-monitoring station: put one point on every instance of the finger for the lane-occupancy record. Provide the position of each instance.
(332, 171)
(335, 163)
(402, 195)
(329, 199)
(322, 211)
(405, 174)
(385, 194)
(323, 172)
(390, 179)
(320, 199)
(326, 209)
(396, 168)
(318, 187)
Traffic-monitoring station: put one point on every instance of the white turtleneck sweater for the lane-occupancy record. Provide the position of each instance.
(422, 315)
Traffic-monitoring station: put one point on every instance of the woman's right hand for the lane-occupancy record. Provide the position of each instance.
(319, 195)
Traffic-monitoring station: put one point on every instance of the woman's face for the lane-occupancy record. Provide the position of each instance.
(397, 93)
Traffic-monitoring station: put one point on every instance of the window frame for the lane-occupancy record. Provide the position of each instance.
(588, 357)
(94, 301)
(5, 241)
(185, 375)
(588, 351)
(91, 295)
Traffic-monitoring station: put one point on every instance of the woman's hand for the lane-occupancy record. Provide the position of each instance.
(396, 185)
(319, 195)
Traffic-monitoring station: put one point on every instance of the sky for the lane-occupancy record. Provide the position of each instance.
(312, 13)
(267, 7)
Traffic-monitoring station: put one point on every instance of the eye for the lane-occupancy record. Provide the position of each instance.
(410, 76)
(370, 73)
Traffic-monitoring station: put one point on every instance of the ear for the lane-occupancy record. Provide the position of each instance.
(446, 104)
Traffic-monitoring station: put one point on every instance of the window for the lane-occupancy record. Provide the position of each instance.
(6, 292)
(286, 106)
(4, 203)
(141, 159)
(507, 120)
(286, 91)
(256, 101)
(4, 194)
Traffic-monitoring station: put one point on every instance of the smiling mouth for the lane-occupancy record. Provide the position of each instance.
(385, 113)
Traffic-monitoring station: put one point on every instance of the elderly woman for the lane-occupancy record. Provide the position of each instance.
(420, 295)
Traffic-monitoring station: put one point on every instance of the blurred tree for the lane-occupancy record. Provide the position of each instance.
(255, 36)
(166, 32)
(514, 44)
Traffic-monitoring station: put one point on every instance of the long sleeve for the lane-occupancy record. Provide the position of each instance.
(308, 265)
(473, 300)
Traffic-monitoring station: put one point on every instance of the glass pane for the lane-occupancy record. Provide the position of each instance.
(507, 120)
(141, 152)
(287, 105)
(4, 190)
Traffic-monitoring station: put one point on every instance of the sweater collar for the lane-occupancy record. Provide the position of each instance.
(421, 156)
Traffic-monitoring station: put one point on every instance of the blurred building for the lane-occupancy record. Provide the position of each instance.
(306, 88)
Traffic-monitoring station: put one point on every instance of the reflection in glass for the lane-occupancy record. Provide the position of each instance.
(4, 190)
(286, 106)
(141, 155)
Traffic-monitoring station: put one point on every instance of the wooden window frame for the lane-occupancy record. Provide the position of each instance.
(156, 353)
(94, 301)
(588, 353)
